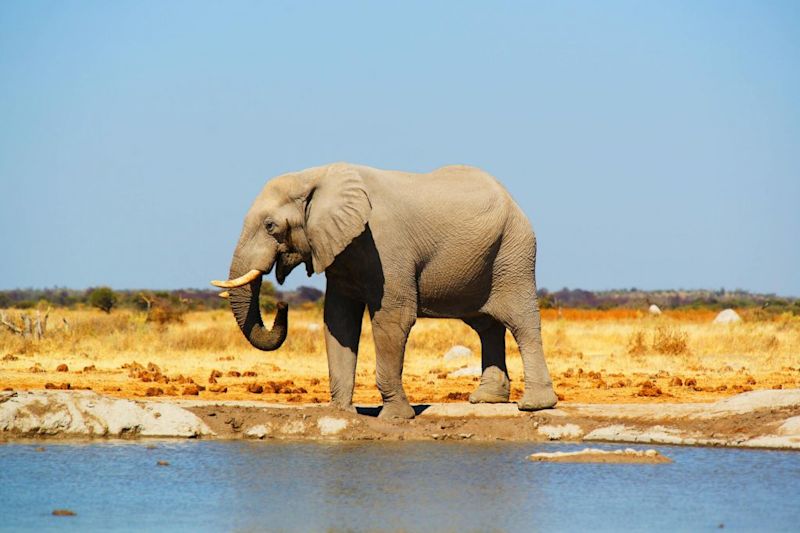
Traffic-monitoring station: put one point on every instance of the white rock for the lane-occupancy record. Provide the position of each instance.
(654, 310)
(623, 433)
(790, 427)
(85, 413)
(466, 371)
(612, 432)
(457, 352)
(331, 426)
(566, 431)
(780, 442)
(259, 431)
(752, 401)
(727, 316)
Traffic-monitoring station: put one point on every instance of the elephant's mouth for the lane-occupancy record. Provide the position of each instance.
(285, 263)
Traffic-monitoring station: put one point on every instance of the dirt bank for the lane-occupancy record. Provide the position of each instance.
(769, 419)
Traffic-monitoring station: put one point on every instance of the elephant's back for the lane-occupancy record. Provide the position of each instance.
(453, 206)
(444, 197)
(447, 225)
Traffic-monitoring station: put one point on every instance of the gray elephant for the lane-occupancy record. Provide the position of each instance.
(448, 244)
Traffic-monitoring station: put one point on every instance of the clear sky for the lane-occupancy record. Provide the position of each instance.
(652, 144)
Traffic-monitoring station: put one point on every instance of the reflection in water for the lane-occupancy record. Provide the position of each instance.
(430, 486)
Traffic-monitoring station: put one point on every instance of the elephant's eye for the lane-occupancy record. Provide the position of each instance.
(270, 225)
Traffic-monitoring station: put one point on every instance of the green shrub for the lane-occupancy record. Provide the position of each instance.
(267, 297)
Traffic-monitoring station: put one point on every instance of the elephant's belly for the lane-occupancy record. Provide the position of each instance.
(450, 295)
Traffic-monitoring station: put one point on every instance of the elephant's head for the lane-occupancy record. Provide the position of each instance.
(306, 217)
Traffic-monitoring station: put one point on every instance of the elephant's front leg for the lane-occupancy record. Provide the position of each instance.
(390, 328)
(343, 318)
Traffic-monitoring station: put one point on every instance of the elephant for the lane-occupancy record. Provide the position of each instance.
(451, 243)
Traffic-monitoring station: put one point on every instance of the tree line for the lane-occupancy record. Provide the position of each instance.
(634, 298)
(107, 299)
(198, 299)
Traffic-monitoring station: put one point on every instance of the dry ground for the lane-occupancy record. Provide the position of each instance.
(594, 356)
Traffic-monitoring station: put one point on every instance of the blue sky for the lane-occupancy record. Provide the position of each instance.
(652, 144)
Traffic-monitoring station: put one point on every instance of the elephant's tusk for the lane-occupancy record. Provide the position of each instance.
(224, 294)
(238, 282)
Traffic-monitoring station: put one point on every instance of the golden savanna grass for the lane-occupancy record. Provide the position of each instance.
(593, 355)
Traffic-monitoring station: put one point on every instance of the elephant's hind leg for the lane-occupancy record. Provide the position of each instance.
(519, 312)
(343, 318)
(526, 326)
(495, 387)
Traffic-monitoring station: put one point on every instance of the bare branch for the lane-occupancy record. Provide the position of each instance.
(27, 326)
(43, 324)
(147, 300)
(9, 325)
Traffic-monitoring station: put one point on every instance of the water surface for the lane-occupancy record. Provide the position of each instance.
(430, 486)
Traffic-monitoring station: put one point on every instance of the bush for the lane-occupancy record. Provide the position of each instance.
(163, 310)
(103, 298)
(637, 345)
(670, 341)
(666, 341)
(546, 300)
(267, 297)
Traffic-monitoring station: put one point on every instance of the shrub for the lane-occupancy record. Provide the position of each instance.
(637, 344)
(546, 300)
(670, 341)
(103, 298)
(162, 310)
(666, 341)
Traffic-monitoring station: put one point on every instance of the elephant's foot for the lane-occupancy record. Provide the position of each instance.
(397, 409)
(494, 387)
(539, 396)
(342, 406)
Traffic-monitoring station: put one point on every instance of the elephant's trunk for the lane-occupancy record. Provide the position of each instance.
(245, 305)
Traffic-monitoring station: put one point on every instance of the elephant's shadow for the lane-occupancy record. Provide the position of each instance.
(375, 411)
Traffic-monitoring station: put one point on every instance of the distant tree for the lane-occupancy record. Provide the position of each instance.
(309, 294)
(103, 298)
(546, 300)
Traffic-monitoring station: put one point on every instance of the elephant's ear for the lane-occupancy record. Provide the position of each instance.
(337, 212)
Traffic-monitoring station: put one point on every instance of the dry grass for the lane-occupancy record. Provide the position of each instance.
(597, 356)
